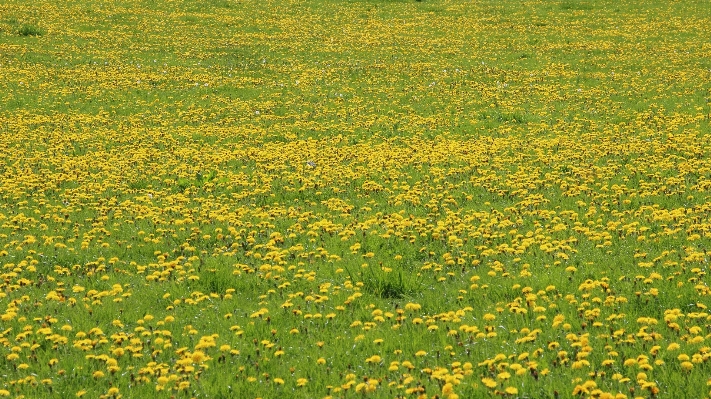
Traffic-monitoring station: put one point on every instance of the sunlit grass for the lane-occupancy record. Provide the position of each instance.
(378, 198)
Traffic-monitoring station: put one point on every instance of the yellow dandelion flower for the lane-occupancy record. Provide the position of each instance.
(198, 357)
(505, 375)
(489, 382)
(447, 389)
(373, 359)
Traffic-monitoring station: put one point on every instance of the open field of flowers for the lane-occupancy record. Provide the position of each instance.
(358, 198)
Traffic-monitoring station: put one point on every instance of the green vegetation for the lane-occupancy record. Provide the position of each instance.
(392, 199)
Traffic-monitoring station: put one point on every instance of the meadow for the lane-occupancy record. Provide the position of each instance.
(359, 198)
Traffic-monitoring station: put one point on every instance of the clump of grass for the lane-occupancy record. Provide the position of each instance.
(387, 284)
(29, 30)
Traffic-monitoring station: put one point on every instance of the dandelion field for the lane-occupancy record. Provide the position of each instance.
(387, 199)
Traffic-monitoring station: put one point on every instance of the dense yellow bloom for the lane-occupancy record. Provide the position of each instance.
(380, 179)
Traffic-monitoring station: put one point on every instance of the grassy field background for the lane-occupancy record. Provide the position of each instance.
(315, 199)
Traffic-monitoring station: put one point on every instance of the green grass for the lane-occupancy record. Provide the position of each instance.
(279, 191)
(29, 30)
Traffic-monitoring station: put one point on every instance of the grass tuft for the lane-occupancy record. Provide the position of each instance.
(29, 30)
